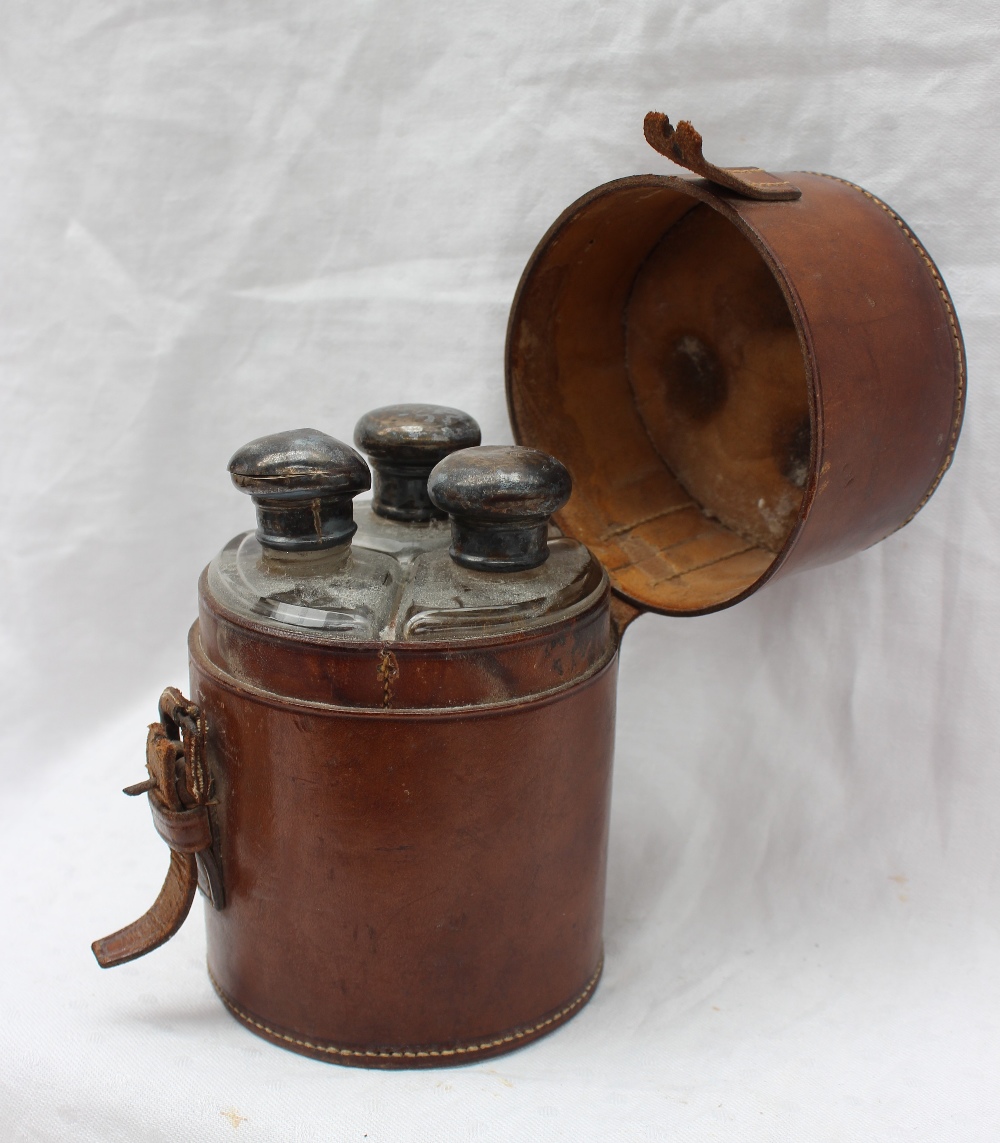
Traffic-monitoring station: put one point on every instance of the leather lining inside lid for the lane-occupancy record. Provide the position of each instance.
(651, 350)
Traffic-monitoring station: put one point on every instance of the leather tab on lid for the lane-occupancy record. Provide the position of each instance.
(682, 145)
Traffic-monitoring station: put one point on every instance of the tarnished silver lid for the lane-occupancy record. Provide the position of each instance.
(302, 483)
(404, 442)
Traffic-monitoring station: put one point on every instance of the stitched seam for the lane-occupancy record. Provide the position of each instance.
(956, 337)
(708, 564)
(612, 533)
(693, 568)
(406, 1053)
(315, 706)
(387, 673)
(197, 762)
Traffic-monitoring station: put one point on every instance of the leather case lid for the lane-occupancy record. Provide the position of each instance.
(738, 388)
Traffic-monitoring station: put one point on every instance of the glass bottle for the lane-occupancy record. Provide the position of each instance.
(300, 569)
(501, 571)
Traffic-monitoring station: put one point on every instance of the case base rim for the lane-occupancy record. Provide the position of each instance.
(413, 1057)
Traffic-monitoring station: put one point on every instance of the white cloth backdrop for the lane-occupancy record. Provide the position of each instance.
(220, 220)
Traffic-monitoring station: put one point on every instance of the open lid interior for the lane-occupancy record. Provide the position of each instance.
(652, 350)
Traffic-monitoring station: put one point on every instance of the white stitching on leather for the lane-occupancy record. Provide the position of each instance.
(405, 1053)
(952, 322)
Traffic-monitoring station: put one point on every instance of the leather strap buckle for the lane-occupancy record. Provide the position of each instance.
(178, 787)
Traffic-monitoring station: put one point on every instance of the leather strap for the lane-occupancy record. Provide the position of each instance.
(159, 923)
(179, 799)
(185, 831)
(682, 145)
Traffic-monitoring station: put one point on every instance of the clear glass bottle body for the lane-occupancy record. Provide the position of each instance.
(343, 593)
(357, 594)
(402, 539)
(442, 600)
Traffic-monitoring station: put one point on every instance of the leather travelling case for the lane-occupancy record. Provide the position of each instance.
(402, 837)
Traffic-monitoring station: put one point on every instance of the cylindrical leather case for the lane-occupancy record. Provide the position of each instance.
(403, 843)
(413, 850)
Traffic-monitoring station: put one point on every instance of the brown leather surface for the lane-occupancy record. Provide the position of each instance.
(887, 364)
(413, 1057)
(880, 352)
(407, 881)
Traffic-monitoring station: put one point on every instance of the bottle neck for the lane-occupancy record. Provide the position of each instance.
(499, 546)
(297, 524)
(318, 562)
(400, 492)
